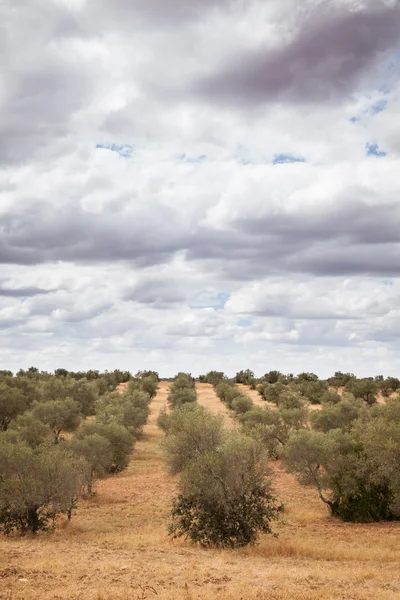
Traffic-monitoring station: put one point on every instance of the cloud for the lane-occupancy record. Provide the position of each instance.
(181, 185)
(22, 292)
(324, 60)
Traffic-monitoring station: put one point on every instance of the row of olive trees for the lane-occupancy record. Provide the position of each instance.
(18, 393)
(349, 449)
(43, 470)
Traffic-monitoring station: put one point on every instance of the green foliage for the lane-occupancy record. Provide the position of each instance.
(329, 397)
(313, 391)
(214, 377)
(233, 397)
(272, 377)
(182, 380)
(366, 389)
(290, 399)
(271, 392)
(191, 432)
(145, 381)
(182, 396)
(224, 500)
(60, 415)
(131, 410)
(36, 486)
(27, 428)
(86, 395)
(246, 377)
(13, 402)
(340, 379)
(97, 454)
(272, 427)
(307, 377)
(388, 386)
(344, 473)
(338, 416)
(150, 386)
(241, 404)
(120, 439)
(182, 391)
(145, 374)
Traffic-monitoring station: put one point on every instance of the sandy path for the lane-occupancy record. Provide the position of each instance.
(207, 397)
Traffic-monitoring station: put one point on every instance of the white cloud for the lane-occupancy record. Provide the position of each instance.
(121, 260)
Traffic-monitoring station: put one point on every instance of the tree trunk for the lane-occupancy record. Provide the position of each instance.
(33, 519)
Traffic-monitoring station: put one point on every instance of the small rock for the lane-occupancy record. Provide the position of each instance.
(22, 580)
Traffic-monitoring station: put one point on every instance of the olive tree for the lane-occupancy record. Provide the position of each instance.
(225, 500)
(60, 415)
(336, 464)
(190, 432)
(13, 402)
(97, 454)
(273, 427)
(246, 377)
(36, 485)
(366, 389)
(338, 416)
(120, 439)
(131, 410)
(31, 430)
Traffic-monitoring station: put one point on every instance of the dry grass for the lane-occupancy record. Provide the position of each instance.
(116, 547)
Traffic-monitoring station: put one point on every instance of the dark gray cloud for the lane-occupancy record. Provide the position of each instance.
(159, 292)
(347, 236)
(324, 61)
(22, 292)
(42, 234)
(44, 82)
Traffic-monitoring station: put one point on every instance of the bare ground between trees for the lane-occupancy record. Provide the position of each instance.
(117, 547)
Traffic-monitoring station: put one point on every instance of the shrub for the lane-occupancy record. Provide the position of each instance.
(224, 500)
(344, 474)
(60, 415)
(330, 397)
(180, 396)
(97, 453)
(242, 404)
(366, 389)
(272, 427)
(338, 416)
(121, 442)
(245, 377)
(36, 486)
(190, 433)
(271, 392)
(131, 410)
(27, 428)
(214, 377)
(221, 389)
(13, 402)
(313, 391)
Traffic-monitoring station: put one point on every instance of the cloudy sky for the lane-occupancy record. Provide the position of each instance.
(198, 184)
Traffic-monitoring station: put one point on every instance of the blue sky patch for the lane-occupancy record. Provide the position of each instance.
(373, 150)
(192, 159)
(217, 303)
(245, 322)
(285, 159)
(124, 150)
(379, 106)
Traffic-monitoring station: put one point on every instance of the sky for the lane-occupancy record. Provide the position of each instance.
(200, 184)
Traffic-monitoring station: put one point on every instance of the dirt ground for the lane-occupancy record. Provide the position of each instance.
(117, 547)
